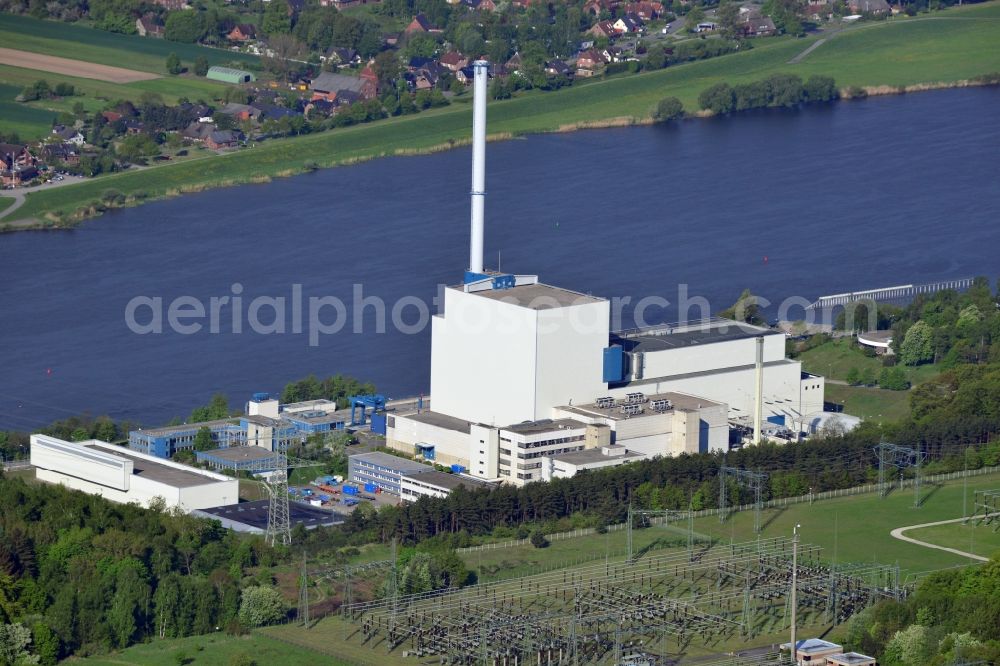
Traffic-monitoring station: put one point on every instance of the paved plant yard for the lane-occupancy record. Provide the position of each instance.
(85, 70)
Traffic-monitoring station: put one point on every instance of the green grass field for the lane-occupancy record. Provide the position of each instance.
(976, 539)
(212, 650)
(957, 44)
(69, 40)
(836, 358)
(27, 121)
(876, 404)
(856, 528)
(504, 563)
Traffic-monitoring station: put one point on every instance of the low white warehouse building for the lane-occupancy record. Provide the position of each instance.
(124, 476)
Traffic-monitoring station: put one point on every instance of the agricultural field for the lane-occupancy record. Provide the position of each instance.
(211, 650)
(34, 120)
(27, 121)
(77, 42)
(947, 47)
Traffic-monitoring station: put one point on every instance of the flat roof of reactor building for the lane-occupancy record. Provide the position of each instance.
(538, 296)
(681, 401)
(543, 425)
(154, 471)
(659, 338)
(589, 456)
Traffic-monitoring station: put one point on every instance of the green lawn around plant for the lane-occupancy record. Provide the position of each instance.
(836, 358)
(971, 537)
(68, 40)
(213, 650)
(957, 44)
(856, 528)
(876, 404)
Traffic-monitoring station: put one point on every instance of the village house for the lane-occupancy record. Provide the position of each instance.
(595, 7)
(240, 112)
(242, 32)
(558, 68)
(328, 86)
(147, 27)
(628, 24)
(342, 56)
(55, 153)
(818, 11)
(420, 24)
(198, 130)
(605, 29)
(589, 60)
(14, 155)
(219, 139)
(761, 26)
(69, 134)
(454, 61)
(869, 6)
(647, 11)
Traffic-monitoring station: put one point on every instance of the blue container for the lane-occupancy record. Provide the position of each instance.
(457, 469)
(325, 498)
(327, 480)
(778, 419)
(350, 490)
(371, 488)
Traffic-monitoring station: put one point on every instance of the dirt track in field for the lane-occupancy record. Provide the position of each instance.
(83, 70)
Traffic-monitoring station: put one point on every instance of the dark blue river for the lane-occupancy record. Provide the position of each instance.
(875, 193)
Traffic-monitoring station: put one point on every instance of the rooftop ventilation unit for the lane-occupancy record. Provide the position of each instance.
(631, 409)
(635, 397)
(606, 402)
(660, 405)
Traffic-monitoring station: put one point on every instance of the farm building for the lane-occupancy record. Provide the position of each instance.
(229, 75)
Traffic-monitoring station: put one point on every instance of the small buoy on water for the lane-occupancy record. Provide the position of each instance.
(765, 258)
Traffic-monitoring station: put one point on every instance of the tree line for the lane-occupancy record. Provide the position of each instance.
(776, 91)
(80, 575)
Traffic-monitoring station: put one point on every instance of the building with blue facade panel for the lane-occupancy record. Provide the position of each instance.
(239, 458)
(382, 470)
(165, 442)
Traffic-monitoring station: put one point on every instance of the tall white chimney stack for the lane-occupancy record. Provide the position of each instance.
(478, 165)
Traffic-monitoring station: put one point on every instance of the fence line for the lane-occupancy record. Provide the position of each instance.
(780, 502)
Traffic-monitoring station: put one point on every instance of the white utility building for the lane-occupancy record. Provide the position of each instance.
(124, 476)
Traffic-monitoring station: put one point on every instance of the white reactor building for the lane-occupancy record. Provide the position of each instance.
(528, 381)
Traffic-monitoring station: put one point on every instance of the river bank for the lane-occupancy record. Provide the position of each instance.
(902, 55)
